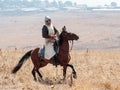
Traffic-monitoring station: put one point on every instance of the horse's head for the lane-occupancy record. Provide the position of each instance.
(68, 35)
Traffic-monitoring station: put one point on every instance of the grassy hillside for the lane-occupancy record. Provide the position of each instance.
(96, 70)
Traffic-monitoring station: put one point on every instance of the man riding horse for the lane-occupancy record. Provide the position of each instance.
(50, 34)
(62, 57)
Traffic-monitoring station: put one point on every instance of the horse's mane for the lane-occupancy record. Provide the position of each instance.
(60, 38)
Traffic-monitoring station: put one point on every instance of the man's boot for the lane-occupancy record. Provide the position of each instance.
(54, 61)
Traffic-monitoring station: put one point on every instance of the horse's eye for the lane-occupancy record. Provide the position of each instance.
(65, 33)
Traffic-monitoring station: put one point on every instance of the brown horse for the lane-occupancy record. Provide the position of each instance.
(62, 58)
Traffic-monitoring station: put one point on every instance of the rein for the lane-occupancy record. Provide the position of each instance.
(71, 46)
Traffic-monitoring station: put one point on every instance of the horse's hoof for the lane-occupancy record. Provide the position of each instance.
(74, 76)
(40, 79)
(35, 80)
(62, 81)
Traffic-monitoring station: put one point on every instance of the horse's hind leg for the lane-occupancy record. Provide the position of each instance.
(34, 74)
(74, 72)
(39, 74)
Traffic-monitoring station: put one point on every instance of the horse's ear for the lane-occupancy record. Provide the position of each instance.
(64, 28)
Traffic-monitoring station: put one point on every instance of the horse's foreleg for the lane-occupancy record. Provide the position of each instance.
(73, 70)
(64, 71)
(34, 74)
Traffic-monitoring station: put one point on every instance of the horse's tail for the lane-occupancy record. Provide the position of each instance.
(22, 60)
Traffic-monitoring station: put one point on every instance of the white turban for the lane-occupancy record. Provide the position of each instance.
(47, 18)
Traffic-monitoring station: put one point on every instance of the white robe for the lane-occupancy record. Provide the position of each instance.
(49, 48)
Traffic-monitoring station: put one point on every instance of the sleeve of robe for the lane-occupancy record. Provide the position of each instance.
(45, 32)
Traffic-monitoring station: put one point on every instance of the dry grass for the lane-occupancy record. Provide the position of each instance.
(96, 70)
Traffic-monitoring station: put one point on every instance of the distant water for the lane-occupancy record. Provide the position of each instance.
(106, 9)
(34, 10)
(25, 11)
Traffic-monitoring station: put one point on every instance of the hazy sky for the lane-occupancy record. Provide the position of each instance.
(94, 2)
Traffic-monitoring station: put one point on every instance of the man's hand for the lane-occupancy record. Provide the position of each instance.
(52, 36)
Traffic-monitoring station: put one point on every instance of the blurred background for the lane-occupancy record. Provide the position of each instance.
(27, 6)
